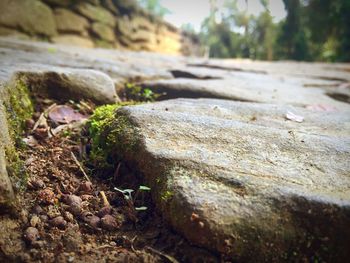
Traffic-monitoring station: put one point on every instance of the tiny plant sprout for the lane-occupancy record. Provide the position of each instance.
(125, 192)
(144, 188)
(142, 208)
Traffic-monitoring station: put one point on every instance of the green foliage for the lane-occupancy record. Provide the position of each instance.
(19, 109)
(110, 134)
(154, 6)
(312, 30)
(137, 93)
(127, 193)
(238, 34)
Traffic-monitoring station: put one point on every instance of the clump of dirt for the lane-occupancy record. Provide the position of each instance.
(68, 214)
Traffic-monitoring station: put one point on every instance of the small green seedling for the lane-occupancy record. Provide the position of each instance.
(127, 193)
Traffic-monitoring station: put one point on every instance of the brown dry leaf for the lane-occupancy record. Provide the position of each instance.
(64, 114)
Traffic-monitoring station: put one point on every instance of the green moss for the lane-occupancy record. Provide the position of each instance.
(112, 136)
(137, 93)
(19, 107)
(167, 195)
(15, 168)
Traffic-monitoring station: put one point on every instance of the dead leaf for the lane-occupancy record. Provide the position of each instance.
(64, 114)
(293, 117)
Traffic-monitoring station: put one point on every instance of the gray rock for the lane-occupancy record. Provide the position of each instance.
(240, 179)
(28, 15)
(67, 83)
(67, 21)
(96, 13)
(245, 86)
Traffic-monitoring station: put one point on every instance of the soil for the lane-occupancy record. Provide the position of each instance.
(64, 216)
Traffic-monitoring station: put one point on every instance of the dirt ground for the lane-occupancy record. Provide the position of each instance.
(65, 216)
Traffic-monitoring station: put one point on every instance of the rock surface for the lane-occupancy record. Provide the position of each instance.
(67, 21)
(235, 177)
(33, 17)
(241, 179)
(67, 83)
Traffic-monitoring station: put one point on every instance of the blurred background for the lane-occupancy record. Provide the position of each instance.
(302, 30)
(306, 30)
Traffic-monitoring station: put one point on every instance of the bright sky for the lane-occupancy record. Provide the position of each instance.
(195, 11)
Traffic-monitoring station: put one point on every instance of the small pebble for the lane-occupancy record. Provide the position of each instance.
(37, 184)
(72, 199)
(43, 218)
(92, 220)
(37, 210)
(68, 216)
(46, 196)
(35, 221)
(85, 187)
(109, 222)
(107, 210)
(29, 123)
(31, 234)
(58, 222)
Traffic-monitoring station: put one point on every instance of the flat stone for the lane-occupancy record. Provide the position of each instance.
(67, 21)
(241, 179)
(103, 31)
(96, 13)
(245, 86)
(28, 15)
(75, 84)
(74, 40)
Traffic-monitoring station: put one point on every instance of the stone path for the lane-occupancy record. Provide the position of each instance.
(258, 169)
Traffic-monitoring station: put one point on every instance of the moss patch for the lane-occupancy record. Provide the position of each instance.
(19, 107)
(112, 136)
(16, 170)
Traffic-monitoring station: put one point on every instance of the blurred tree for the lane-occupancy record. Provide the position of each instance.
(312, 30)
(332, 43)
(291, 41)
(154, 6)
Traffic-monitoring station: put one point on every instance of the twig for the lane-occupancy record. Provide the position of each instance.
(116, 173)
(104, 198)
(80, 167)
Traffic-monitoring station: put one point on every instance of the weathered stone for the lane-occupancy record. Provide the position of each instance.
(69, 22)
(245, 86)
(96, 13)
(4, 31)
(125, 26)
(31, 16)
(103, 31)
(111, 6)
(144, 23)
(74, 40)
(65, 84)
(241, 179)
